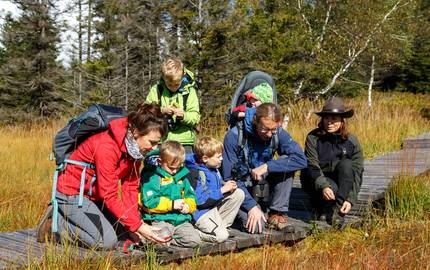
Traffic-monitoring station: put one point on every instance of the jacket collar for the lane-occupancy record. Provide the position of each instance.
(178, 176)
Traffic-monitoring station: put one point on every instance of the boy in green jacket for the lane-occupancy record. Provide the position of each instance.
(176, 94)
(167, 198)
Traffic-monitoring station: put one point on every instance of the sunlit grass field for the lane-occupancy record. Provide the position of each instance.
(390, 241)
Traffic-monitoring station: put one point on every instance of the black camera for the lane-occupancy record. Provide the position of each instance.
(260, 190)
(171, 123)
(242, 172)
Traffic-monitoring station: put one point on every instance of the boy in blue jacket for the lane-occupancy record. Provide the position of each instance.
(217, 204)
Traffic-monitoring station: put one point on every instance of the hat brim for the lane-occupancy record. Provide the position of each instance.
(346, 114)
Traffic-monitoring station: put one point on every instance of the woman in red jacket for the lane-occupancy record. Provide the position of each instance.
(109, 209)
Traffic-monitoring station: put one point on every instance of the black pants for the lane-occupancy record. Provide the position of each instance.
(341, 181)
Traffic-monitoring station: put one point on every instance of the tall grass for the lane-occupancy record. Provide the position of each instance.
(26, 173)
(380, 129)
(27, 176)
(409, 198)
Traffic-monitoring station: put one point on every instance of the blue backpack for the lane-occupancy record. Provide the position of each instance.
(90, 122)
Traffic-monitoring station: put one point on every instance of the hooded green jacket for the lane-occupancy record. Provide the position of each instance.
(324, 156)
(159, 189)
(184, 131)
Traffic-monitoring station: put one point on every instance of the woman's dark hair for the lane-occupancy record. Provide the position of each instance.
(146, 118)
(342, 130)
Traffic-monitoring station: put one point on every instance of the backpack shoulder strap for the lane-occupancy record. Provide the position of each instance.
(159, 91)
(195, 174)
(184, 101)
(242, 140)
(274, 143)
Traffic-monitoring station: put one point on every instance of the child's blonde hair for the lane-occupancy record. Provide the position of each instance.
(172, 70)
(172, 152)
(207, 146)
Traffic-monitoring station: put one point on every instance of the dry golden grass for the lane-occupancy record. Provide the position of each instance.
(393, 117)
(398, 246)
(27, 176)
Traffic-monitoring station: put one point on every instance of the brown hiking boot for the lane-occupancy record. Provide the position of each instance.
(278, 220)
(43, 230)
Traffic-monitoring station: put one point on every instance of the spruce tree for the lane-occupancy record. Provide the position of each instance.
(29, 68)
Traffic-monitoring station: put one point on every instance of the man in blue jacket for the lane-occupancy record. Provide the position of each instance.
(248, 157)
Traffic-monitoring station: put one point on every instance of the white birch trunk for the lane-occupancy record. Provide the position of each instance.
(372, 75)
(354, 55)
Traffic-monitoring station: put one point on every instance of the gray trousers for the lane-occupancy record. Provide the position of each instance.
(280, 186)
(184, 235)
(86, 225)
(214, 223)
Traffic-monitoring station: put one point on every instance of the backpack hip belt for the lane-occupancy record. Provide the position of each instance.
(60, 169)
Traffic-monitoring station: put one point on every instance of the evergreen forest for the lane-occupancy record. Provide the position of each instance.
(312, 48)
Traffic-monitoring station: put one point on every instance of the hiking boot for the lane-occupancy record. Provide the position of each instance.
(278, 221)
(43, 230)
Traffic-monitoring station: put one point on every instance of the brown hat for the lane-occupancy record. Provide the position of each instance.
(335, 106)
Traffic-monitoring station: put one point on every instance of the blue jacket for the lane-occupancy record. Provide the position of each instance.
(291, 157)
(208, 195)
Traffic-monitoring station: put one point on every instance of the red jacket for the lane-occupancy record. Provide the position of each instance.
(107, 151)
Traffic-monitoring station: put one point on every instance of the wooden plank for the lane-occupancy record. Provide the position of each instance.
(5, 265)
(21, 247)
(12, 258)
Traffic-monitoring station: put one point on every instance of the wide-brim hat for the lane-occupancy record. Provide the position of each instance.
(335, 106)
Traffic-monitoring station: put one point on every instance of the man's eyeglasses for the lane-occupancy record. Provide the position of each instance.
(267, 130)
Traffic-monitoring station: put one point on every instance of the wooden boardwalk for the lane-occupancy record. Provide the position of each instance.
(19, 249)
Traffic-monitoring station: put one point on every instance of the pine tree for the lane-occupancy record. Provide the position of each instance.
(30, 69)
(417, 69)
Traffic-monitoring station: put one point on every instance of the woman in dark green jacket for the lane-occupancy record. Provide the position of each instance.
(335, 163)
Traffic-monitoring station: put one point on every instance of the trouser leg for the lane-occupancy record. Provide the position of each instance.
(86, 224)
(230, 206)
(281, 185)
(186, 235)
(344, 177)
(212, 227)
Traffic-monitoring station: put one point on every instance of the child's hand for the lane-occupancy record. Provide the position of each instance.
(229, 186)
(168, 110)
(185, 209)
(179, 113)
(178, 204)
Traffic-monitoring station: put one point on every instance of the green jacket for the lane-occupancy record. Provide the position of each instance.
(184, 129)
(158, 191)
(324, 154)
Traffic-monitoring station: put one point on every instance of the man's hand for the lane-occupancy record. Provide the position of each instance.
(229, 186)
(255, 218)
(168, 110)
(346, 207)
(257, 173)
(328, 194)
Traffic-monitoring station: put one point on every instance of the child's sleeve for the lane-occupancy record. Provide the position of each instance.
(208, 197)
(192, 112)
(190, 196)
(151, 196)
(152, 95)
